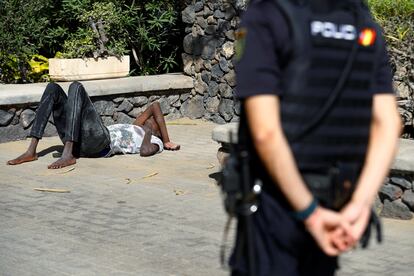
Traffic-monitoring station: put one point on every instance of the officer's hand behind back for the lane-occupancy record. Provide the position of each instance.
(330, 231)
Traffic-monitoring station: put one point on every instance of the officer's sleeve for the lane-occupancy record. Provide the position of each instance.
(383, 75)
(257, 69)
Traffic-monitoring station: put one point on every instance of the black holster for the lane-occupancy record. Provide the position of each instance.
(241, 200)
(334, 189)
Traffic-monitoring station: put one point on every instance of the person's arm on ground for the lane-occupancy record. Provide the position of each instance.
(271, 144)
(385, 131)
(159, 128)
(147, 148)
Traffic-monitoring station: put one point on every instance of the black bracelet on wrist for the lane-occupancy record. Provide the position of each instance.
(304, 214)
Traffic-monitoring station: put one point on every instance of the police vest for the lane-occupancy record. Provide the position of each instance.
(320, 48)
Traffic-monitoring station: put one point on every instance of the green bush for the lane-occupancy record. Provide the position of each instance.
(22, 28)
(397, 19)
(97, 42)
(155, 36)
(146, 29)
(386, 8)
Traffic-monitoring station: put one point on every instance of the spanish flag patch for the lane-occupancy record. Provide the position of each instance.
(367, 37)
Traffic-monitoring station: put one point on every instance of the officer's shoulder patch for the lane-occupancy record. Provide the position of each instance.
(240, 35)
(367, 37)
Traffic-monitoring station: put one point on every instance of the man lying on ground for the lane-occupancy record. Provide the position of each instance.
(83, 134)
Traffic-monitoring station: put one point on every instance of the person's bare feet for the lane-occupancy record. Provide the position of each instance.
(62, 162)
(25, 157)
(171, 146)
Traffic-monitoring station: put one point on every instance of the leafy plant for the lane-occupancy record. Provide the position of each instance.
(154, 35)
(397, 20)
(100, 33)
(39, 67)
(78, 45)
(384, 9)
(147, 29)
(22, 27)
(9, 70)
(396, 17)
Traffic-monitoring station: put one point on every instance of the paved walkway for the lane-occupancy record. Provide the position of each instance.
(393, 257)
(128, 215)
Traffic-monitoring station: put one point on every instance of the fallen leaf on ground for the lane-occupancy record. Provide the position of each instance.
(211, 166)
(149, 175)
(180, 124)
(51, 190)
(56, 172)
(180, 192)
(66, 171)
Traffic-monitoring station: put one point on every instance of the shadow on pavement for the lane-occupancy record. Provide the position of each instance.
(59, 150)
(216, 176)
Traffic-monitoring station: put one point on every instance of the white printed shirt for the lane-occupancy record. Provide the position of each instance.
(126, 138)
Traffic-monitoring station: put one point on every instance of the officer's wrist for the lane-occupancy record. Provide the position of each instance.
(362, 200)
(304, 214)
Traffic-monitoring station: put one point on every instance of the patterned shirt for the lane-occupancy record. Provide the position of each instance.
(126, 138)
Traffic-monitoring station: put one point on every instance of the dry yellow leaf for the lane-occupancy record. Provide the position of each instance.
(180, 192)
(180, 124)
(211, 166)
(66, 171)
(51, 190)
(150, 175)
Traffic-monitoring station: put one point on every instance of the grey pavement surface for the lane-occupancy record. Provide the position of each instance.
(129, 215)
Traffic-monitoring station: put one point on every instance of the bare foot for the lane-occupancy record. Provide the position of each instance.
(171, 146)
(62, 162)
(25, 157)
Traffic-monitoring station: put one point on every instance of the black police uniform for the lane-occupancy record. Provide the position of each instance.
(303, 69)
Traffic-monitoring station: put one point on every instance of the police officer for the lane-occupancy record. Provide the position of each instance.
(317, 103)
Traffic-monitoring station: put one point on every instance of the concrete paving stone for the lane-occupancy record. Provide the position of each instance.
(13, 265)
(105, 226)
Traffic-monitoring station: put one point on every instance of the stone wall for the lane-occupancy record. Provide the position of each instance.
(208, 56)
(396, 196)
(15, 121)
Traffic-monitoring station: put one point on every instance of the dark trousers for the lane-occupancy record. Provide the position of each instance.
(281, 245)
(75, 119)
